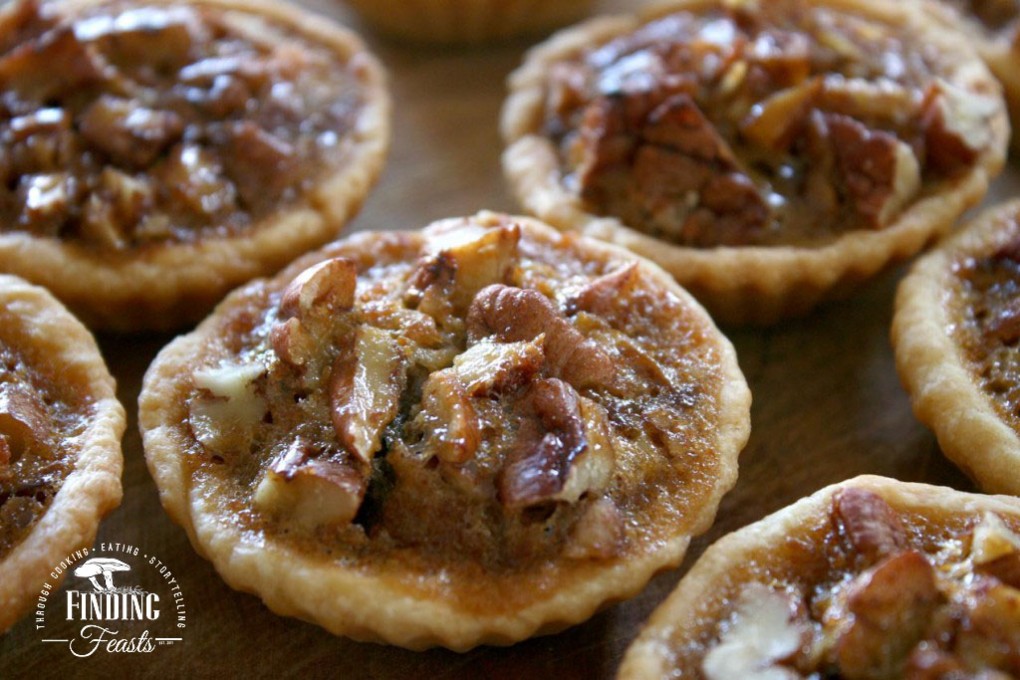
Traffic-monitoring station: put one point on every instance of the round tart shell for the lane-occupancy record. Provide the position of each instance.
(166, 286)
(744, 284)
(397, 605)
(44, 331)
(943, 391)
(689, 614)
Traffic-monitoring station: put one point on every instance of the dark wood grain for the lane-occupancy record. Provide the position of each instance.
(827, 406)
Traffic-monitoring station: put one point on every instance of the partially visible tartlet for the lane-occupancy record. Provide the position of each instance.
(157, 153)
(956, 332)
(467, 22)
(769, 155)
(872, 578)
(465, 435)
(60, 450)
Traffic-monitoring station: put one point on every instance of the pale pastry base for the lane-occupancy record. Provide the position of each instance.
(707, 594)
(166, 286)
(943, 392)
(387, 605)
(40, 327)
(751, 284)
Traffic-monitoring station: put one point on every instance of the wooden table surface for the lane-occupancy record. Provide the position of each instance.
(827, 406)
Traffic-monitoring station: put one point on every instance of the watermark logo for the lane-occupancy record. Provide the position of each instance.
(128, 604)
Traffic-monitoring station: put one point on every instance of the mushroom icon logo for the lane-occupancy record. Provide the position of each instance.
(101, 566)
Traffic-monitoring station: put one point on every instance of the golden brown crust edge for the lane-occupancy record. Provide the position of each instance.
(943, 393)
(166, 287)
(366, 608)
(93, 487)
(739, 285)
(648, 654)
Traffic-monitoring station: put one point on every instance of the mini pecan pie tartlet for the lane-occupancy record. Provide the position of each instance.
(60, 431)
(465, 435)
(768, 154)
(155, 154)
(871, 578)
(994, 29)
(956, 333)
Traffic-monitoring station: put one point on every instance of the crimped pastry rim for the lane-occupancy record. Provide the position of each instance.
(943, 392)
(739, 284)
(93, 486)
(164, 286)
(376, 609)
(647, 655)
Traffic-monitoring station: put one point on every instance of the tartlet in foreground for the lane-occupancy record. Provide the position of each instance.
(870, 578)
(157, 153)
(467, 22)
(60, 451)
(465, 435)
(769, 155)
(955, 333)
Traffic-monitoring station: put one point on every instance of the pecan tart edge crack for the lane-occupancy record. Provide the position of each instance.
(594, 145)
(246, 134)
(969, 412)
(467, 435)
(871, 577)
(60, 446)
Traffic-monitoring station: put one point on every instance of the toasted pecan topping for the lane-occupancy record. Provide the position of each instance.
(515, 314)
(23, 421)
(873, 529)
(743, 124)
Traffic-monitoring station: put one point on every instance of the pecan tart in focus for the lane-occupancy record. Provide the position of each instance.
(60, 432)
(465, 435)
(956, 332)
(768, 154)
(157, 153)
(869, 579)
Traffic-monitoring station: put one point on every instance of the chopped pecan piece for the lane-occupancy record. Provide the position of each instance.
(311, 303)
(326, 287)
(56, 62)
(602, 296)
(872, 527)
(46, 202)
(956, 127)
(877, 172)
(115, 207)
(539, 469)
(495, 367)
(365, 389)
(995, 550)
(23, 422)
(515, 314)
(762, 634)
(891, 607)
(463, 262)
(40, 142)
(130, 134)
(562, 452)
(599, 534)
(194, 179)
(224, 419)
(260, 163)
(450, 419)
(159, 37)
(311, 491)
(773, 123)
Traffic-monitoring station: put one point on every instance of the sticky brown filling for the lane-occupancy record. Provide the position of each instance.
(987, 304)
(482, 400)
(762, 123)
(36, 440)
(130, 124)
